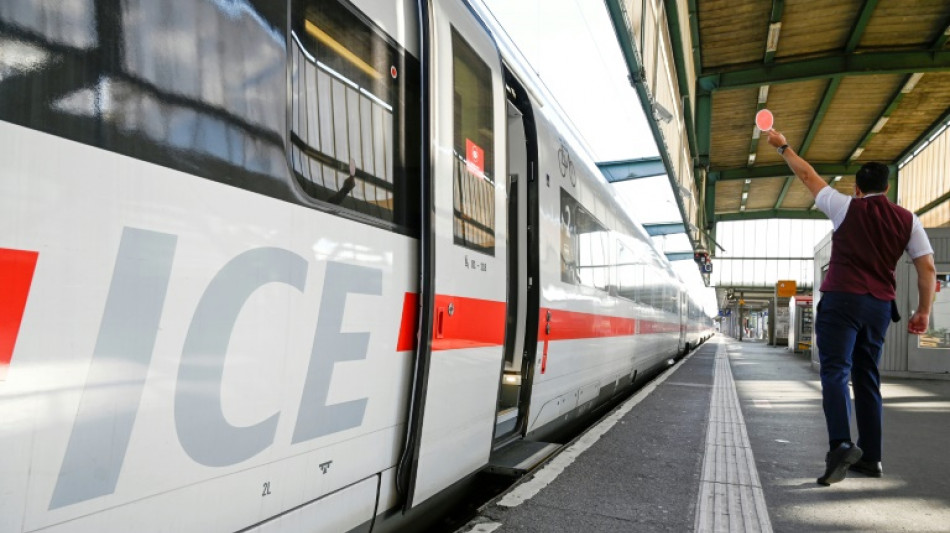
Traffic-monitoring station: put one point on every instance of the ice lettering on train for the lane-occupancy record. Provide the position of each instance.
(315, 418)
(203, 431)
(123, 352)
(103, 426)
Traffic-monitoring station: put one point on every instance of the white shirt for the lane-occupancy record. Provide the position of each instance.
(835, 205)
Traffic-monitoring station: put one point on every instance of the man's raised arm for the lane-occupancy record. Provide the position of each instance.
(799, 166)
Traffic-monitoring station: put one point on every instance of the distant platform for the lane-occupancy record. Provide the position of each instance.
(732, 439)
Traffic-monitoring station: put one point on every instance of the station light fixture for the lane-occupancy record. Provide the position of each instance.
(879, 125)
(771, 45)
(912, 82)
(763, 94)
(751, 158)
(857, 153)
(836, 179)
(662, 113)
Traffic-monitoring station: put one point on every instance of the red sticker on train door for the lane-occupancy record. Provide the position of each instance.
(475, 157)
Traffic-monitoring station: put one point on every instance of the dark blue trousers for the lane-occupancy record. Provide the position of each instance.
(850, 331)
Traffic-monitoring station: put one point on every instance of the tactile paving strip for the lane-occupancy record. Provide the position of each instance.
(730, 495)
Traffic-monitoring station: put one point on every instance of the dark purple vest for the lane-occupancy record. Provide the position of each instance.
(866, 247)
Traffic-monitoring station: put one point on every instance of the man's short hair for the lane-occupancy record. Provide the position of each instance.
(872, 177)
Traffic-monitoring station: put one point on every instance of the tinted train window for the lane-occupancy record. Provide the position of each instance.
(629, 274)
(200, 87)
(473, 182)
(584, 252)
(355, 106)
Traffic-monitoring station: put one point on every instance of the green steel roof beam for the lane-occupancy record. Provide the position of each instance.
(905, 88)
(826, 67)
(771, 213)
(778, 171)
(785, 188)
(778, 6)
(860, 24)
(892, 183)
(745, 194)
(615, 171)
(857, 31)
(694, 33)
(710, 199)
(703, 127)
(933, 204)
(771, 45)
(829, 95)
(942, 40)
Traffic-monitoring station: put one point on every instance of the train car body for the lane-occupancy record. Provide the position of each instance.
(294, 266)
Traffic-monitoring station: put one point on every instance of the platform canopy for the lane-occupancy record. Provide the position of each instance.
(848, 82)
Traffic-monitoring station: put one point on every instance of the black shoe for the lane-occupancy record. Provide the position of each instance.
(868, 468)
(837, 462)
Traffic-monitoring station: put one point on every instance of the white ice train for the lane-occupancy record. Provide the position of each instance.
(294, 265)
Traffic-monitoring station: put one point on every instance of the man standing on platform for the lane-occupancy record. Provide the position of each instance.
(857, 304)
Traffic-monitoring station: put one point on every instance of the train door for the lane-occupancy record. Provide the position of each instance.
(523, 293)
(454, 404)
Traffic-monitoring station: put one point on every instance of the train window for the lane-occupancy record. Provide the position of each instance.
(584, 241)
(473, 182)
(354, 99)
(629, 274)
(653, 288)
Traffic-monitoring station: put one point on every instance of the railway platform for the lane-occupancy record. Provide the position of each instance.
(732, 439)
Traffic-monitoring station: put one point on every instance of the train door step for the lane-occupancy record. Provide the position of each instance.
(520, 457)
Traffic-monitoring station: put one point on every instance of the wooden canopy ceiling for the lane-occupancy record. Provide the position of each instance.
(848, 81)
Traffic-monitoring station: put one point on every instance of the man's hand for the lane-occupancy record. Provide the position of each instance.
(776, 139)
(918, 323)
(926, 286)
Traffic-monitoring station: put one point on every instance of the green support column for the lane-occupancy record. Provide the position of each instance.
(710, 207)
(703, 126)
(892, 182)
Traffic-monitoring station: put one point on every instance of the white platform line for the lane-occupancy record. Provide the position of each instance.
(730, 494)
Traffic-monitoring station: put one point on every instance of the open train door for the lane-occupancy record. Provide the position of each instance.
(464, 258)
(521, 327)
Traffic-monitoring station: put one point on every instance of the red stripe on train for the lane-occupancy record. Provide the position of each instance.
(568, 325)
(471, 323)
(459, 323)
(467, 323)
(16, 276)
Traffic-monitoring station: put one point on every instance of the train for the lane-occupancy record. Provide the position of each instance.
(300, 265)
